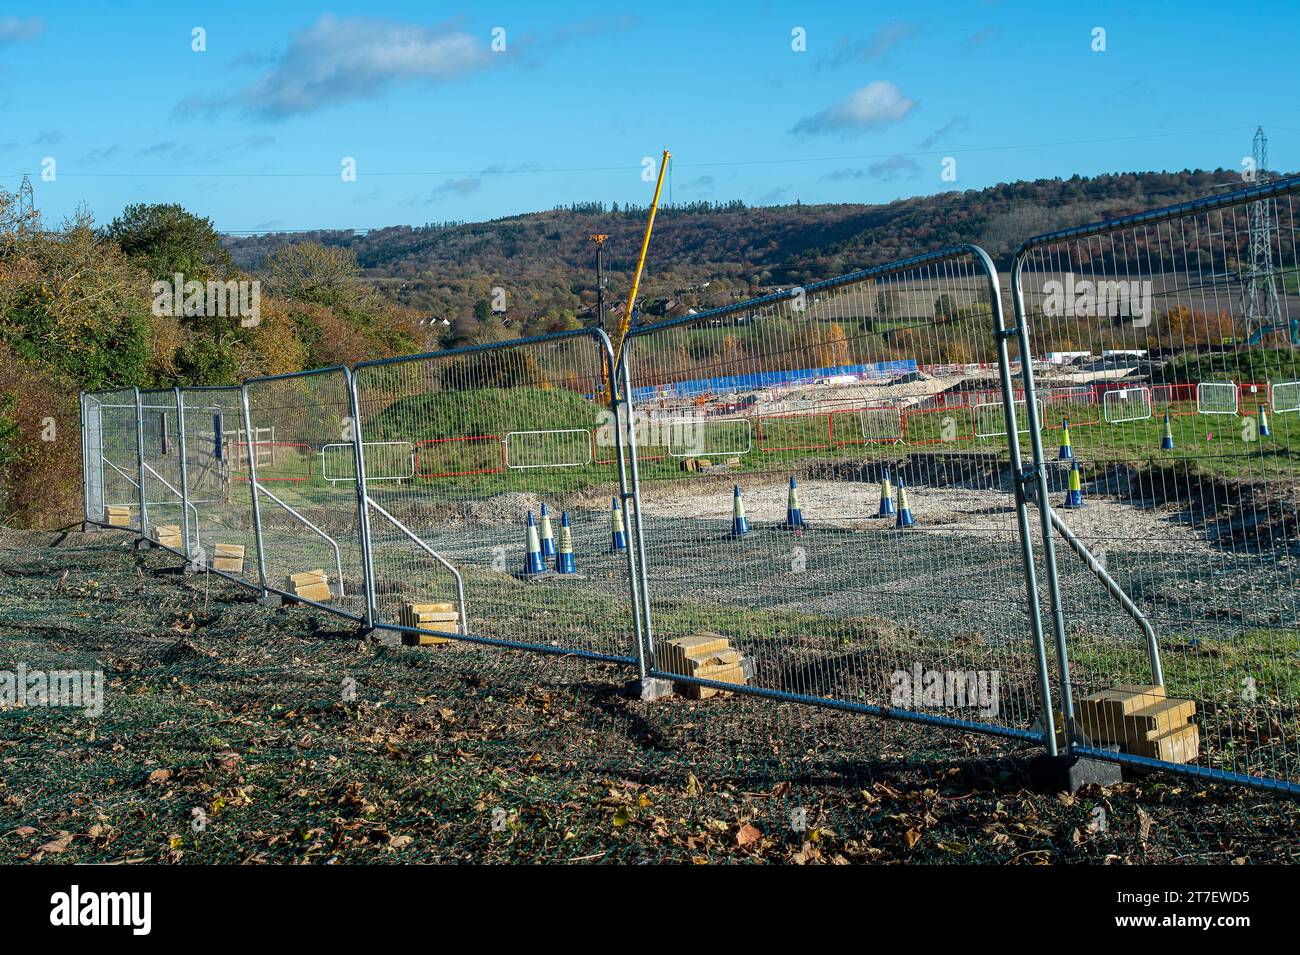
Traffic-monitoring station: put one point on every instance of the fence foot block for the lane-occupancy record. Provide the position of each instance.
(1062, 773)
(650, 689)
(144, 543)
(271, 600)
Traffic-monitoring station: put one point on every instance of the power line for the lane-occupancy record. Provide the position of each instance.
(493, 170)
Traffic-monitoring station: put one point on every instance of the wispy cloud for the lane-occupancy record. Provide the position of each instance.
(100, 154)
(883, 170)
(957, 124)
(871, 48)
(257, 141)
(16, 29)
(459, 187)
(337, 60)
(702, 184)
(879, 103)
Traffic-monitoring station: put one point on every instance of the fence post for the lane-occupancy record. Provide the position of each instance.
(185, 477)
(1000, 336)
(617, 406)
(85, 463)
(640, 569)
(139, 465)
(267, 598)
(1039, 475)
(363, 506)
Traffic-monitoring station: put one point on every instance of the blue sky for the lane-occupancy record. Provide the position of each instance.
(253, 131)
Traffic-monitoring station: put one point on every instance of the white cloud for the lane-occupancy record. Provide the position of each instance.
(16, 29)
(879, 103)
(336, 60)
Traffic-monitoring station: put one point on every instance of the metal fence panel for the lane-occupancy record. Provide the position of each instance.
(112, 464)
(842, 605)
(216, 481)
(164, 504)
(500, 432)
(1189, 484)
(307, 523)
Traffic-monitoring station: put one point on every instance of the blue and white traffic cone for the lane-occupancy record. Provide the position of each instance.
(564, 563)
(533, 565)
(548, 536)
(886, 497)
(1167, 442)
(1263, 423)
(905, 518)
(1074, 490)
(618, 534)
(793, 512)
(1067, 452)
(739, 522)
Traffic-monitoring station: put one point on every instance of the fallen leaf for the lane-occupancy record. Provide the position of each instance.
(911, 838)
(748, 834)
(160, 775)
(58, 844)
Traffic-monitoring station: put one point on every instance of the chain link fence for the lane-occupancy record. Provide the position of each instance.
(1182, 329)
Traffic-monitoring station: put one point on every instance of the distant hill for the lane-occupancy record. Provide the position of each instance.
(546, 265)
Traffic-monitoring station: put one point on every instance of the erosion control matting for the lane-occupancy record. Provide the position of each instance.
(234, 733)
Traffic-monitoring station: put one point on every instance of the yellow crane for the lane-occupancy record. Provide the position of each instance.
(626, 321)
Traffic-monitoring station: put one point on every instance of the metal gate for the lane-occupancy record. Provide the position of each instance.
(867, 550)
(1189, 498)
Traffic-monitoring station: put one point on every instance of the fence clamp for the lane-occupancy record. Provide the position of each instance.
(1026, 484)
(1005, 333)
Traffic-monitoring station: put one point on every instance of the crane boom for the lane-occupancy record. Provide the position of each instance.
(626, 321)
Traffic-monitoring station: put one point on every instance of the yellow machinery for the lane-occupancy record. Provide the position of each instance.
(626, 321)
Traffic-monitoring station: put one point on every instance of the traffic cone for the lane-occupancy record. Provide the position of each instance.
(793, 513)
(1067, 452)
(618, 537)
(886, 496)
(739, 522)
(1167, 442)
(1074, 490)
(548, 536)
(905, 518)
(1263, 423)
(533, 565)
(564, 563)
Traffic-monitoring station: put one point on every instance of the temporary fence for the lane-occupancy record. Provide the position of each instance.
(852, 494)
(305, 524)
(112, 439)
(867, 558)
(165, 507)
(509, 480)
(1188, 492)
